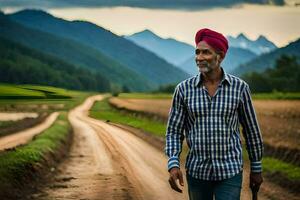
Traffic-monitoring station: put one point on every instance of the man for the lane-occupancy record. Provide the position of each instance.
(207, 110)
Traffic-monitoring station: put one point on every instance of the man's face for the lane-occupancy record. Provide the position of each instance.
(206, 58)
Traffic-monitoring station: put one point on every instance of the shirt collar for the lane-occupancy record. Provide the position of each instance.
(225, 78)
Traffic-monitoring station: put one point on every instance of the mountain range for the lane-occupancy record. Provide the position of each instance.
(71, 52)
(182, 54)
(144, 63)
(86, 45)
(259, 46)
(264, 61)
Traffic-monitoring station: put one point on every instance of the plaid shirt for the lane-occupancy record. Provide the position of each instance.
(211, 128)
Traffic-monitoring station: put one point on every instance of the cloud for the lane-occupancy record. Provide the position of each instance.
(174, 4)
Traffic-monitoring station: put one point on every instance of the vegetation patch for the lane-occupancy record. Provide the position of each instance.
(278, 95)
(35, 98)
(146, 95)
(21, 166)
(13, 92)
(9, 91)
(102, 110)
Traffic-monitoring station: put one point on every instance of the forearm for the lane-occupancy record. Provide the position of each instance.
(173, 150)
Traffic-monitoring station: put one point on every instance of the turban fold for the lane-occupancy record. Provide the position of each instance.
(212, 38)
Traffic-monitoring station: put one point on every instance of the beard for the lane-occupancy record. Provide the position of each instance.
(205, 67)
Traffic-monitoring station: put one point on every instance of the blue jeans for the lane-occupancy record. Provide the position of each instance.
(228, 189)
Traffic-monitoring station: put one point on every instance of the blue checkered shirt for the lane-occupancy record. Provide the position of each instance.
(211, 128)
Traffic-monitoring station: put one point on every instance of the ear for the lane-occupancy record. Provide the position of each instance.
(220, 56)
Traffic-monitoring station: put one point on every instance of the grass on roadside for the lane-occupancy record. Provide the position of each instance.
(146, 95)
(5, 124)
(15, 165)
(277, 95)
(273, 165)
(102, 110)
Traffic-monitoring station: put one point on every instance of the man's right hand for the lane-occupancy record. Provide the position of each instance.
(176, 174)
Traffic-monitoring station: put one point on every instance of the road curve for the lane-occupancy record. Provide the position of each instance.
(106, 162)
(24, 136)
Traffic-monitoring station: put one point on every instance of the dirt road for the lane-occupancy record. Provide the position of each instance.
(107, 162)
(22, 137)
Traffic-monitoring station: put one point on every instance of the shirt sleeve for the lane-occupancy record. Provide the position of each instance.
(251, 131)
(175, 128)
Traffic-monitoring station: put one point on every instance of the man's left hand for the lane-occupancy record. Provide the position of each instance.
(256, 180)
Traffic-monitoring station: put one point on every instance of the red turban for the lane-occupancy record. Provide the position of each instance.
(212, 38)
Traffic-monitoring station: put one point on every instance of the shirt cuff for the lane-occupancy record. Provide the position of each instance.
(256, 166)
(173, 162)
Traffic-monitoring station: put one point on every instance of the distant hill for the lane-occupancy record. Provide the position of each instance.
(268, 60)
(144, 63)
(73, 52)
(182, 54)
(22, 65)
(259, 46)
(171, 50)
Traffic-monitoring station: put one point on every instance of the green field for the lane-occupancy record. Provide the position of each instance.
(8, 91)
(21, 97)
(14, 92)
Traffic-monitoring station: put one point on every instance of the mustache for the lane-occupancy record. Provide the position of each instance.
(201, 62)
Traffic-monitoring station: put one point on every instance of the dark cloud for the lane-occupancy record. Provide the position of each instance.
(175, 4)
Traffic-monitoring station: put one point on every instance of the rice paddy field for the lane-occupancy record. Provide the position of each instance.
(35, 98)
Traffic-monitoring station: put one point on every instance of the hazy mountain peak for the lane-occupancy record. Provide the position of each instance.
(35, 12)
(145, 33)
(262, 38)
(242, 36)
(258, 46)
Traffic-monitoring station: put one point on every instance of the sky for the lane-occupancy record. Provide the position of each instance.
(280, 24)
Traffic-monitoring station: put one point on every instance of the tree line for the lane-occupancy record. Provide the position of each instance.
(21, 65)
(284, 77)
